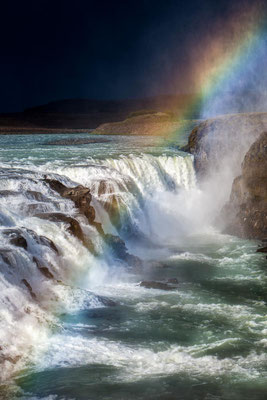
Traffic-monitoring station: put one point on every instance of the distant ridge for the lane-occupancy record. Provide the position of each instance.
(85, 106)
(85, 114)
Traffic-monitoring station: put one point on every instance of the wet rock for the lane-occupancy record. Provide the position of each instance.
(6, 256)
(80, 195)
(74, 227)
(12, 360)
(157, 285)
(98, 227)
(112, 207)
(15, 237)
(109, 193)
(7, 193)
(246, 211)
(106, 301)
(120, 251)
(134, 261)
(43, 240)
(28, 286)
(262, 250)
(43, 269)
(38, 196)
(19, 241)
(172, 280)
(32, 208)
(117, 244)
(214, 142)
(49, 243)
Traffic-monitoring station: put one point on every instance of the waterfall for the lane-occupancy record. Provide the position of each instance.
(45, 270)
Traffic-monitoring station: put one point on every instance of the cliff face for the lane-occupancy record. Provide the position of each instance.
(221, 143)
(246, 212)
(230, 156)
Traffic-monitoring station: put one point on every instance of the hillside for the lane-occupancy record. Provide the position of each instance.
(84, 114)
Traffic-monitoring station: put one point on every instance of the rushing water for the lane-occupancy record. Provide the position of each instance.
(206, 339)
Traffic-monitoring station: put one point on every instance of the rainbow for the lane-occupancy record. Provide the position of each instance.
(222, 62)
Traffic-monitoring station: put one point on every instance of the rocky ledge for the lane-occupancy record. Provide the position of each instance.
(246, 211)
(81, 197)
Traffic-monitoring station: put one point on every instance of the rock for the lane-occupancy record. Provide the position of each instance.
(6, 255)
(16, 237)
(80, 195)
(156, 285)
(28, 286)
(6, 193)
(117, 244)
(43, 269)
(106, 301)
(49, 243)
(109, 194)
(172, 280)
(73, 227)
(246, 211)
(12, 360)
(98, 227)
(120, 251)
(224, 140)
(262, 250)
(43, 240)
(32, 194)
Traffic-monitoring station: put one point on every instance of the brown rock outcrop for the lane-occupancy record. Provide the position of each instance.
(246, 212)
(80, 195)
(73, 227)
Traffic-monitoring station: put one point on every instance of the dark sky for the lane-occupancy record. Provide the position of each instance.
(99, 49)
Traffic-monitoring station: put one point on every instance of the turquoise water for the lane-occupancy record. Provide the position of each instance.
(36, 148)
(205, 339)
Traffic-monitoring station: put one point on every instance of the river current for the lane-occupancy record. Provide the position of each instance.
(93, 332)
